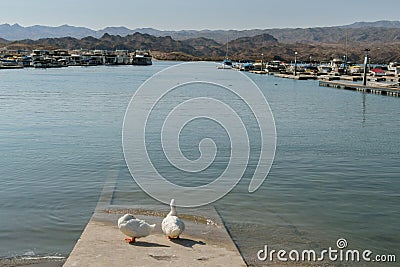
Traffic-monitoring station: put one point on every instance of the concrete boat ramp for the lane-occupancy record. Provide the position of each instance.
(205, 242)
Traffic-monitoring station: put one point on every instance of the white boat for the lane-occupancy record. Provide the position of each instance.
(226, 64)
(338, 66)
(394, 67)
(259, 65)
(324, 67)
(75, 60)
(10, 63)
(275, 66)
(356, 69)
(46, 62)
(142, 57)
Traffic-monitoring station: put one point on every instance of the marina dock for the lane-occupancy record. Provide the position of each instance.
(375, 85)
(372, 89)
(296, 77)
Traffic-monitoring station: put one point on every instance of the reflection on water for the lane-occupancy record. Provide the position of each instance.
(335, 173)
(364, 107)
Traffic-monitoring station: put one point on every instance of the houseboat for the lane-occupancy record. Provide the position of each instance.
(394, 67)
(142, 57)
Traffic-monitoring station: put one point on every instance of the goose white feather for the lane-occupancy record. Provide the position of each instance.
(134, 228)
(172, 225)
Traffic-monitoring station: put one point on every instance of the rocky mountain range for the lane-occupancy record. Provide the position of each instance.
(375, 24)
(359, 31)
(319, 44)
(243, 48)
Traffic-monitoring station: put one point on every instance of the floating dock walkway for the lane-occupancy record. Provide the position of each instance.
(374, 86)
(295, 77)
(372, 89)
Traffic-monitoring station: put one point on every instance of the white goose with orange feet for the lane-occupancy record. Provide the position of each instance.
(172, 226)
(134, 228)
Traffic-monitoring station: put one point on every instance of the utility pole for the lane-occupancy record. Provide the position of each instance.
(262, 61)
(365, 66)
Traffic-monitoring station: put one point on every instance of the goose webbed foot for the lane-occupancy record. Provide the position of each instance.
(130, 240)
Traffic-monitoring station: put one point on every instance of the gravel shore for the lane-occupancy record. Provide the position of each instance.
(37, 262)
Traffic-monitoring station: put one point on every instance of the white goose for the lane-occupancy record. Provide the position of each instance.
(172, 226)
(135, 228)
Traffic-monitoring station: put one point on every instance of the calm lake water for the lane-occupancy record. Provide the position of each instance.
(336, 172)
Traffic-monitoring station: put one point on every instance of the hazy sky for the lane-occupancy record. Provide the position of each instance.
(199, 14)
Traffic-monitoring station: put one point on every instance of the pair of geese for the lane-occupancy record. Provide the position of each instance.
(171, 225)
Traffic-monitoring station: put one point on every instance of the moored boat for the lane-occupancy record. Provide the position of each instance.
(246, 66)
(10, 63)
(356, 70)
(276, 66)
(142, 57)
(226, 64)
(394, 67)
(324, 68)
